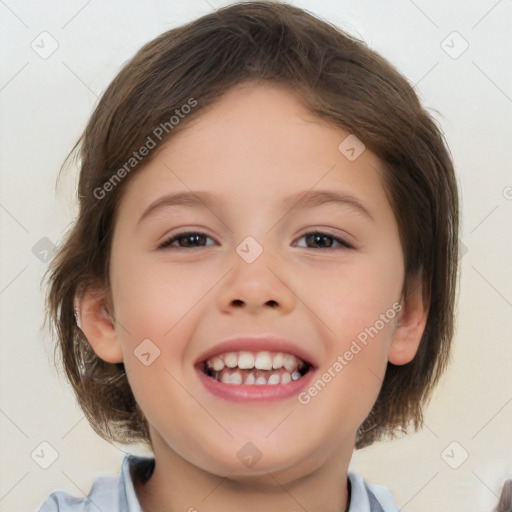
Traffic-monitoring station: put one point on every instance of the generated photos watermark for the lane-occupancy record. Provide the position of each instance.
(157, 135)
(343, 360)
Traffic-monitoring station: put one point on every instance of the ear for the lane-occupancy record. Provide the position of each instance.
(98, 326)
(410, 326)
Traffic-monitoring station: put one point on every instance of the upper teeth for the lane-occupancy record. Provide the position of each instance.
(260, 360)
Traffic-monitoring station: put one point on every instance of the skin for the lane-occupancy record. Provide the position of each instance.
(256, 146)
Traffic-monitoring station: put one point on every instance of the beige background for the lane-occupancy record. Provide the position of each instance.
(45, 103)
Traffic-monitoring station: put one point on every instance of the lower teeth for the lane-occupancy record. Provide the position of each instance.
(248, 377)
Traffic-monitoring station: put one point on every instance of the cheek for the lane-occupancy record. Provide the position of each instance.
(359, 314)
(154, 299)
(347, 385)
(157, 311)
(354, 299)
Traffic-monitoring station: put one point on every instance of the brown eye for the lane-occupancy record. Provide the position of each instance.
(189, 240)
(319, 240)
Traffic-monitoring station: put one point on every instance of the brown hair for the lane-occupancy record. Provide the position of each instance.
(342, 81)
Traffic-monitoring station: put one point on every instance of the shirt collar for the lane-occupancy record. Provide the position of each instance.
(359, 501)
(130, 464)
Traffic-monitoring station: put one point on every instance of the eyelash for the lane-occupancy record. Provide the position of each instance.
(344, 245)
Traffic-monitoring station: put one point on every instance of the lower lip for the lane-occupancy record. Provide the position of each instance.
(262, 392)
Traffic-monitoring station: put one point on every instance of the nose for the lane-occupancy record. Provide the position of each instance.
(257, 286)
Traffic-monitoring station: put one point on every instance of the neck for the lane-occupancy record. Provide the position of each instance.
(178, 485)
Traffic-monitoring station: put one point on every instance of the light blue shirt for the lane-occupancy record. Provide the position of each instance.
(117, 494)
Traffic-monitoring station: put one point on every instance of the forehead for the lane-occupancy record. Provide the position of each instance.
(259, 142)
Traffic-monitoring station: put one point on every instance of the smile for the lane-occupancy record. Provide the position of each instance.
(255, 368)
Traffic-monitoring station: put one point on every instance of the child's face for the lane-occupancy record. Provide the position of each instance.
(254, 149)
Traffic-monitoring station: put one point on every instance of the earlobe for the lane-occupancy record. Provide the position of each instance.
(98, 326)
(410, 326)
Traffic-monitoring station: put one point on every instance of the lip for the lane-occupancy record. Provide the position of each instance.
(253, 344)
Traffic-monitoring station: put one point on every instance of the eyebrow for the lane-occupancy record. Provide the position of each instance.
(301, 200)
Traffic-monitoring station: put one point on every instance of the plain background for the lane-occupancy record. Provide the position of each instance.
(45, 101)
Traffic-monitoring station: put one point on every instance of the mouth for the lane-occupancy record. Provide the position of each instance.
(255, 369)
(262, 368)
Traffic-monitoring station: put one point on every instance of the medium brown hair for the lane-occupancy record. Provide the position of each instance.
(343, 82)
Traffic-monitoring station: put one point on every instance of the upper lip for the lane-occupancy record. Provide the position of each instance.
(258, 344)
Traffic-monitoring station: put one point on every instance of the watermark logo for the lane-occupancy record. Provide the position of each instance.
(454, 45)
(249, 455)
(463, 249)
(454, 455)
(351, 148)
(45, 45)
(249, 249)
(44, 249)
(44, 455)
(146, 352)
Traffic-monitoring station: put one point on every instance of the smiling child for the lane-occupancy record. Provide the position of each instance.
(261, 277)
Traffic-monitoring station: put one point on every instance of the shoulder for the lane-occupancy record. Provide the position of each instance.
(112, 493)
(104, 495)
(60, 501)
(367, 497)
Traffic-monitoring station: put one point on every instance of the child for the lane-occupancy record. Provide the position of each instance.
(261, 277)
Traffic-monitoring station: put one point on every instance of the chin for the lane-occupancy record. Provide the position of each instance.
(250, 462)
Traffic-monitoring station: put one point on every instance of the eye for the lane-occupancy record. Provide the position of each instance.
(190, 239)
(194, 239)
(325, 241)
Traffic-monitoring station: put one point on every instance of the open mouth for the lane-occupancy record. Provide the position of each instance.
(255, 368)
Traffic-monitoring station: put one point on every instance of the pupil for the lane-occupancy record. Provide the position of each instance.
(318, 238)
(193, 239)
